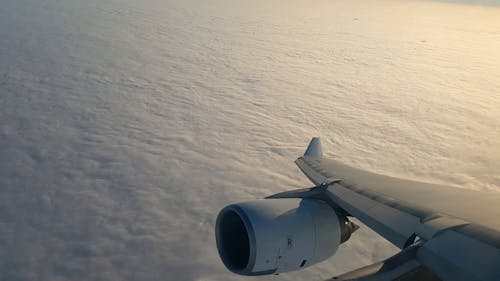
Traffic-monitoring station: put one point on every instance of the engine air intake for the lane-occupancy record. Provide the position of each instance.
(278, 235)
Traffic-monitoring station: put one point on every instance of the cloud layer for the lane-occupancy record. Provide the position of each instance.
(126, 125)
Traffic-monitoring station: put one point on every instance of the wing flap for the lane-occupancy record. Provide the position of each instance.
(455, 256)
(401, 267)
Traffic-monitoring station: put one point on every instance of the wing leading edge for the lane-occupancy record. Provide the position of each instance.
(445, 233)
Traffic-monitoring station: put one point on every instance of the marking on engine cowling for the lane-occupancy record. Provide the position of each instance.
(289, 242)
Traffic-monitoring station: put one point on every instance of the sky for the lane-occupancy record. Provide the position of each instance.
(125, 126)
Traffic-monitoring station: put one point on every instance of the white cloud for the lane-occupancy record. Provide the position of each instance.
(125, 127)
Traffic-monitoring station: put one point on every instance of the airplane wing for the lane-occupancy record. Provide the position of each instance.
(445, 233)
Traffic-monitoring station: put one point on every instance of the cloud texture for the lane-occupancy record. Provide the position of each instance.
(126, 125)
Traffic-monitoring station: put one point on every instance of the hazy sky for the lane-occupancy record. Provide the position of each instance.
(473, 2)
(126, 125)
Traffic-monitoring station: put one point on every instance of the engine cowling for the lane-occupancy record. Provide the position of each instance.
(271, 236)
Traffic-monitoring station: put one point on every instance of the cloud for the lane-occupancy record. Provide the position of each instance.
(126, 127)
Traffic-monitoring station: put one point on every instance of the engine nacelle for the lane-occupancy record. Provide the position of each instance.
(270, 236)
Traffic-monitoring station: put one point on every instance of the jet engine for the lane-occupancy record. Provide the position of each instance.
(270, 236)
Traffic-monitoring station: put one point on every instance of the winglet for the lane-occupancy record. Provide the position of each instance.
(314, 149)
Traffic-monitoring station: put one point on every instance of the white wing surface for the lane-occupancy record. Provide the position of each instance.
(445, 233)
